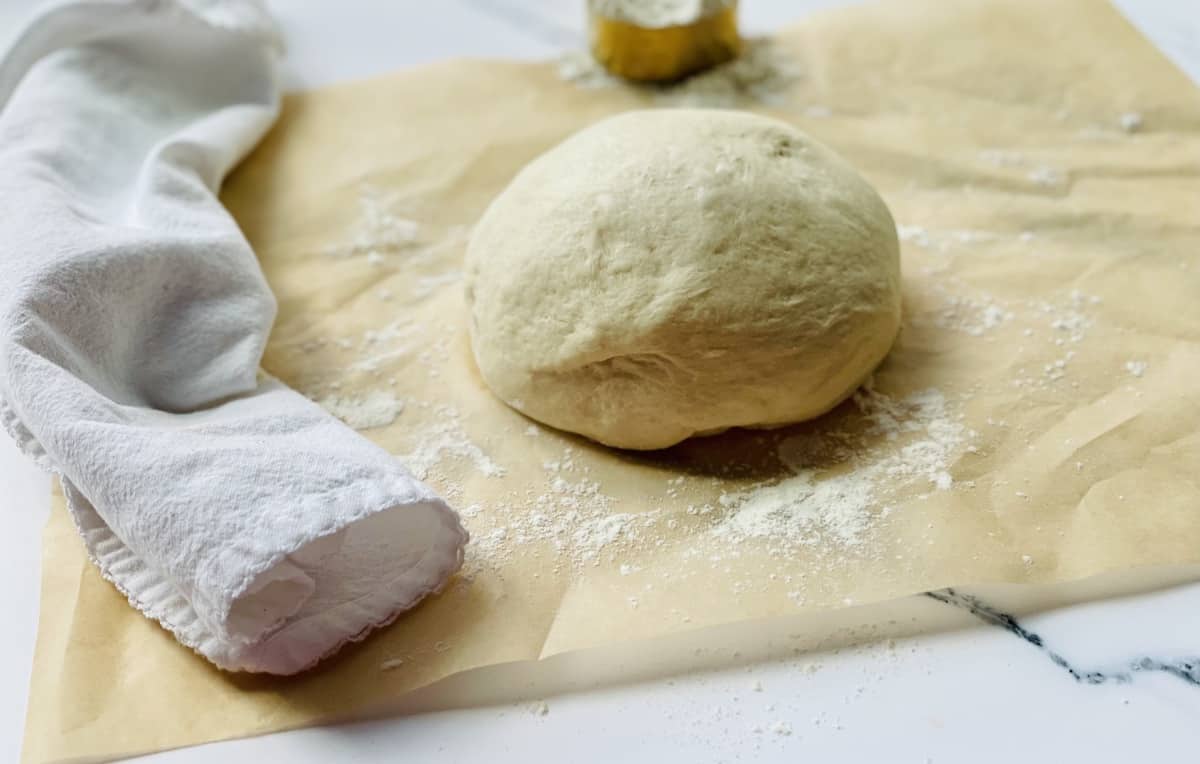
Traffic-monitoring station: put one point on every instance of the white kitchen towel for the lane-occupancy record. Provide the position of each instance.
(258, 529)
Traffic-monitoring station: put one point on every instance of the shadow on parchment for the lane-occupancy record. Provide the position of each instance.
(903, 370)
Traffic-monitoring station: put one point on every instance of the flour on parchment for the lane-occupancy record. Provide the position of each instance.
(764, 73)
(375, 409)
(443, 438)
(890, 444)
(378, 231)
(836, 507)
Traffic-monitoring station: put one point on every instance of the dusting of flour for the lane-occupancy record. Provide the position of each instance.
(920, 440)
(763, 73)
(567, 517)
(445, 437)
(887, 447)
(378, 231)
(375, 409)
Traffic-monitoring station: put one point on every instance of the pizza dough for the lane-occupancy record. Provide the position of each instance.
(675, 272)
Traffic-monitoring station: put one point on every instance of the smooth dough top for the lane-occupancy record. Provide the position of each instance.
(674, 272)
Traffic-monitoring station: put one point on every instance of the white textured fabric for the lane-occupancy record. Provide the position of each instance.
(261, 531)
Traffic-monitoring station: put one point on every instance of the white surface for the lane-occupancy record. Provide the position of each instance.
(978, 694)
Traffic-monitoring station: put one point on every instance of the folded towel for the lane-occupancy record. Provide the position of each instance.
(258, 529)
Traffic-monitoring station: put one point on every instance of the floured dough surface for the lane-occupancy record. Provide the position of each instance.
(674, 272)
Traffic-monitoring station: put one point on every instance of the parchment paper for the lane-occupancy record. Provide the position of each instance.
(1036, 228)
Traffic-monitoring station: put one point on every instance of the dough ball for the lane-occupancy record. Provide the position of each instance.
(676, 272)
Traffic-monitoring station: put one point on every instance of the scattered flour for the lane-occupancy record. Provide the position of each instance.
(569, 515)
(443, 438)
(378, 347)
(1064, 321)
(582, 69)
(1070, 321)
(592, 536)
(375, 409)
(973, 315)
(920, 441)
(891, 446)
(764, 73)
(1131, 121)
(1136, 368)
(1065, 324)
(943, 241)
(378, 231)
(915, 234)
(802, 510)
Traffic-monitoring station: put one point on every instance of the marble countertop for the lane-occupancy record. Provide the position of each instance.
(1110, 680)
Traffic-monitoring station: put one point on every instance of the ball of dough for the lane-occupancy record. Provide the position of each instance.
(675, 272)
